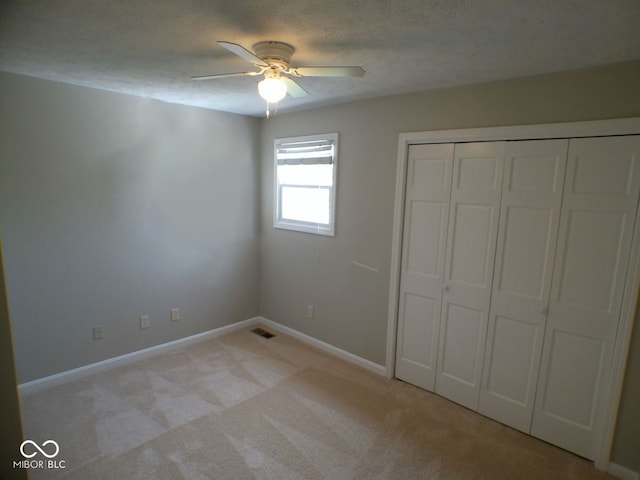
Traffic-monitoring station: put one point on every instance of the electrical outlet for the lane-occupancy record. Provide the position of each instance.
(175, 314)
(144, 321)
(97, 332)
(310, 311)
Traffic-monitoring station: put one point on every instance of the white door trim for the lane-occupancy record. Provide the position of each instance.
(625, 126)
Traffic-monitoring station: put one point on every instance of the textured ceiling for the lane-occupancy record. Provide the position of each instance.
(150, 48)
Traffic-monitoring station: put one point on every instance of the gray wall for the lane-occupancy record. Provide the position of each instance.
(113, 206)
(351, 303)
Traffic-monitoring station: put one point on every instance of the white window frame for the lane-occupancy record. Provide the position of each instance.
(303, 226)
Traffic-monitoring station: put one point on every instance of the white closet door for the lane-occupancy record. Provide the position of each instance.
(473, 226)
(424, 240)
(596, 228)
(529, 217)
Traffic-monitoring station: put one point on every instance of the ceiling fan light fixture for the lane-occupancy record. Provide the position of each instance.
(272, 59)
(272, 89)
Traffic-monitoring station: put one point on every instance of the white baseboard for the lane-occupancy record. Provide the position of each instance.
(86, 370)
(34, 386)
(338, 352)
(623, 473)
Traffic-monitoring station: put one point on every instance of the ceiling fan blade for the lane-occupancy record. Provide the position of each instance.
(293, 88)
(327, 71)
(242, 52)
(221, 75)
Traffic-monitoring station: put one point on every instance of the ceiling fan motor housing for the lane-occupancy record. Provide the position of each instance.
(274, 53)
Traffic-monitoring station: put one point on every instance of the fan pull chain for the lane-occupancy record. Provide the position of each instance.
(275, 110)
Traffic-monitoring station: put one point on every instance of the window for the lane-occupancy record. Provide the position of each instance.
(305, 178)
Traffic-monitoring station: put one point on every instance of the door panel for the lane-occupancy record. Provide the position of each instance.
(596, 228)
(419, 316)
(530, 212)
(470, 245)
(526, 250)
(473, 225)
(424, 240)
(591, 252)
(580, 359)
(536, 166)
(476, 172)
(461, 334)
(511, 360)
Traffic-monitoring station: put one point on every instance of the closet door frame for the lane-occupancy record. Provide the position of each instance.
(627, 126)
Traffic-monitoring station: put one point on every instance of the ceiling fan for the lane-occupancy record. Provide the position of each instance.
(272, 59)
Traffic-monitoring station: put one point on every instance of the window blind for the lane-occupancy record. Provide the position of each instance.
(311, 152)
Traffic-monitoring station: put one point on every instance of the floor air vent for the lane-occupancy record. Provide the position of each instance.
(262, 333)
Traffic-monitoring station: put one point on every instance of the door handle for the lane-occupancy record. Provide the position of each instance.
(445, 288)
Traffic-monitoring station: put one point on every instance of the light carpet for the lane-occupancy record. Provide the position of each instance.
(241, 407)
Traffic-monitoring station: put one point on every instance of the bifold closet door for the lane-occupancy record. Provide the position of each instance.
(594, 243)
(471, 242)
(424, 239)
(529, 217)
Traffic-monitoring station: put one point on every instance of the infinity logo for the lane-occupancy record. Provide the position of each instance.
(31, 455)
